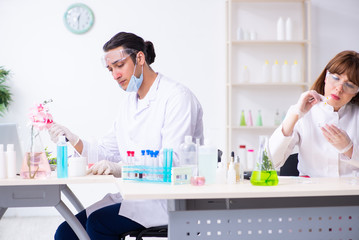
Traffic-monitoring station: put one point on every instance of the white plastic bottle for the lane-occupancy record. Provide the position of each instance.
(280, 29)
(11, 161)
(286, 72)
(245, 74)
(266, 72)
(250, 159)
(231, 175)
(276, 72)
(221, 173)
(242, 153)
(207, 161)
(289, 29)
(3, 168)
(296, 75)
(240, 34)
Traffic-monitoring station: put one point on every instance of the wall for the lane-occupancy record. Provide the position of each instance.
(47, 61)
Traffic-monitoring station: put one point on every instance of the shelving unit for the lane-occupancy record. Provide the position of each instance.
(260, 16)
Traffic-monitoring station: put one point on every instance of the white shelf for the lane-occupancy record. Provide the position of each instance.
(271, 84)
(236, 42)
(254, 127)
(260, 17)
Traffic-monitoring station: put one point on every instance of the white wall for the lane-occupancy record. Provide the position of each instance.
(47, 61)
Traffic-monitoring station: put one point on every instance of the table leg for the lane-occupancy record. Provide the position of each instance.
(71, 196)
(72, 221)
(2, 212)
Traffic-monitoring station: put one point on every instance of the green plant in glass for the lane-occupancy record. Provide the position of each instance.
(5, 94)
(264, 173)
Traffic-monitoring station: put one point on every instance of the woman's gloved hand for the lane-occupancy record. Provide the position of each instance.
(337, 137)
(105, 167)
(306, 101)
(58, 130)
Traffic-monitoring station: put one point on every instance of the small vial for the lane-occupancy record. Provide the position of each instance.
(243, 119)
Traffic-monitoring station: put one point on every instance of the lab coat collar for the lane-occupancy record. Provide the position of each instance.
(330, 108)
(150, 96)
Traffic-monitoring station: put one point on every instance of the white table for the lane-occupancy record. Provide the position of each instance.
(315, 208)
(18, 192)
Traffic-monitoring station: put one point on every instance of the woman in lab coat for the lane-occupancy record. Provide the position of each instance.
(324, 124)
(157, 113)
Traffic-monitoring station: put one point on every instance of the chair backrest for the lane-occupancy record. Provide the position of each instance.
(290, 167)
(160, 231)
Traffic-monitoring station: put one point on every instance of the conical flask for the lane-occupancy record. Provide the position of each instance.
(35, 163)
(264, 173)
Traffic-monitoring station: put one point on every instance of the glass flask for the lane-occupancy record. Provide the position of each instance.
(35, 163)
(264, 173)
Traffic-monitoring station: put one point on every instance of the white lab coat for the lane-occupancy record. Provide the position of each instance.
(162, 119)
(317, 157)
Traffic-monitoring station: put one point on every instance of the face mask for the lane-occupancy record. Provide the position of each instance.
(135, 83)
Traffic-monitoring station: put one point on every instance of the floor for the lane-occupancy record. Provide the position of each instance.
(33, 228)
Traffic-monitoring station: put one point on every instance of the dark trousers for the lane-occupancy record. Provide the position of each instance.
(103, 224)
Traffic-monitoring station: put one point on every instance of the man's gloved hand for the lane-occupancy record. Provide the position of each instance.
(58, 130)
(105, 167)
(306, 101)
(337, 137)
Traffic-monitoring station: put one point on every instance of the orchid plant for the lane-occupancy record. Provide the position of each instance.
(40, 119)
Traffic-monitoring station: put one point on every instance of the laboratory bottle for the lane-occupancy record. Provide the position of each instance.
(295, 72)
(240, 34)
(286, 72)
(242, 153)
(243, 119)
(250, 119)
(289, 29)
(280, 29)
(259, 122)
(276, 73)
(264, 173)
(207, 161)
(277, 118)
(231, 175)
(3, 167)
(221, 173)
(62, 171)
(266, 73)
(253, 35)
(250, 159)
(188, 154)
(11, 161)
(245, 74)
(237, 168)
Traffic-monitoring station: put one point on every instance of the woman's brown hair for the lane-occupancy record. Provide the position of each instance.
(346, 62)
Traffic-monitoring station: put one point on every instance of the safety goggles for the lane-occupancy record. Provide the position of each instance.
(112, 57)
(348, 87)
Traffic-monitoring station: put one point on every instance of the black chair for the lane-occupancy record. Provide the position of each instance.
(290, 167)
(160, 231)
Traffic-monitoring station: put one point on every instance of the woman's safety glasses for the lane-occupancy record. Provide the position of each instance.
(348, 87)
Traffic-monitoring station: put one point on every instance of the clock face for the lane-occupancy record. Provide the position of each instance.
(79, 18)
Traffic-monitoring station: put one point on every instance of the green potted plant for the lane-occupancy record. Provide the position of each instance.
(5, 94)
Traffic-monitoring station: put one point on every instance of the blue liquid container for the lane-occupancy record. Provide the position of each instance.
(62, 170)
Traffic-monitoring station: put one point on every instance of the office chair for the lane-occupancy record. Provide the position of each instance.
(160, 231)
(290, 166)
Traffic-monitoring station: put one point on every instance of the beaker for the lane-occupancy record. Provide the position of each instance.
(264, 173)
(35, 163)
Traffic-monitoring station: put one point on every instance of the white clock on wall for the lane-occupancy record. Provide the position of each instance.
(79, 18)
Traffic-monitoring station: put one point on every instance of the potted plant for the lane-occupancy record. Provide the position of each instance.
(5, 94)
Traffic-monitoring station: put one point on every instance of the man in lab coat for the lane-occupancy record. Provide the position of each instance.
(157, 113)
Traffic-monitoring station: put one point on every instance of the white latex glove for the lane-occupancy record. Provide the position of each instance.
(337, 137)
(105, 167)
(58, 130)
(306, 101)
